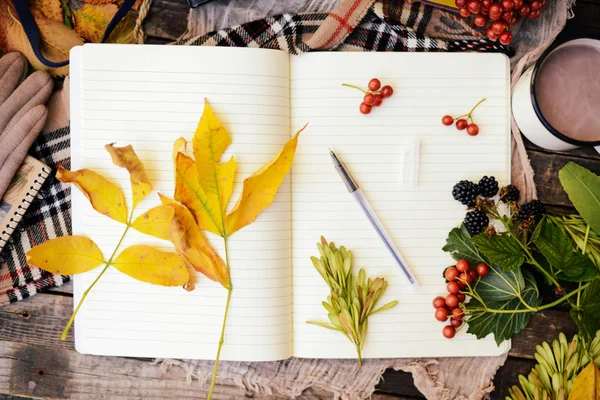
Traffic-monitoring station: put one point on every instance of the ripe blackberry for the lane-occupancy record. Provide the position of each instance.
(476, 221)
(488, 187)
(465, 192)
(510, 193)
(533, 209)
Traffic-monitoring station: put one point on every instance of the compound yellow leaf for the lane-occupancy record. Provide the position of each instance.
(91, 20)
(189, 193)
(148, 264)
(210, 142)
(125, 157)
(66, 255)
(106, 197)
(193, 246)
(155, 222)
(587, 384)
(260, 188)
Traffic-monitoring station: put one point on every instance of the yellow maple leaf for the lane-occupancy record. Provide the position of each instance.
(125, 157)
(155, 222)
(148, 264)
(106, 197)
(66, 255)
(587, 384)
(193, 246)
(91, 20)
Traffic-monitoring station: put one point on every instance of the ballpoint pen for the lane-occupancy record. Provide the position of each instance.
(358, 195)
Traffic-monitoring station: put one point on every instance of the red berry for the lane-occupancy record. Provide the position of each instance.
(524, 10)
(449, 331)
(486, 3)
(473, 274)
(461, 297)
(439, 302)
(473, 129)
(457, 313)
(505, 38)
(456, 322)
(495, 17)
(452, 287)
(517, 4)
(451, 274)
(508, 5)
(441, 314)
(452, 300)
(447, 120)
(474, 6)
(387, 91)
(507, 16)
(482, 269)
(466, 277)
(462, 265)
(484, 11)
(511, 22)
(533, 14)
(464, 12)
(498, 27)
(461, 284)
(495, 9)
(365, 108)
(369, 99)
(480, 20)
(374, 84)
(535, 5)
(378, 100)
(461, 124)
(460, 3)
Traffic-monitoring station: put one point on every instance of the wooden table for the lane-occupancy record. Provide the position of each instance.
(34, 362)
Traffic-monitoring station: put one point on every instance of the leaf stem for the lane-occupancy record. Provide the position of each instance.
(222, 338)
(65, 332)
(585, 241)
(355, 87)
(360, 360)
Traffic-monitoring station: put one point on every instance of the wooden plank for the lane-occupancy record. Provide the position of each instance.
(66, 289)
(167, 19)
(398, 382)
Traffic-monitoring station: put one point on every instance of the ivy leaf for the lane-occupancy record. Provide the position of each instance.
(125, 157)
(459, 245)
(558, 249)
(500, 250)
(156, 222)
(106, 197)
(66, 255)
(503, 325)
(587, 384)
(587, 315)
(148, 264)
(583, 188)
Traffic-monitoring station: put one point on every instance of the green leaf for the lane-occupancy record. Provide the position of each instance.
(459, 245)
(587, 317)
(500, 250)
(562, 255)
(501, 285)
(583, 188)
(503, 326)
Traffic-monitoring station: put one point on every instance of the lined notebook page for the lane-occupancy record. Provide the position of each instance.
(148, 96)
(426, 87)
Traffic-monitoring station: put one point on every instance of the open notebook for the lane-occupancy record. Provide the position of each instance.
(148, 96)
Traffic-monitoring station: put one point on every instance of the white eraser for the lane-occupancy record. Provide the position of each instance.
(408, 162)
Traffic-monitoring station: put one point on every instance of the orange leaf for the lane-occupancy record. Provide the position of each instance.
(148, 264)
(193, 246)
(260, 188)
(51, 9)
(106, 197)
(155, 222)
(66, 255)
(91, 20)
(125, 157)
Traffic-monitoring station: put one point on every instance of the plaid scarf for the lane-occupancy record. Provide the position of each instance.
(355, 25)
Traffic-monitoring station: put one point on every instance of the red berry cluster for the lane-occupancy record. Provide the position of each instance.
(464, 121)
(373, 96)
(457, 278)
(501, 13)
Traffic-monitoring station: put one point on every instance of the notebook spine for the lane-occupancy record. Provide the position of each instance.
(31, 194)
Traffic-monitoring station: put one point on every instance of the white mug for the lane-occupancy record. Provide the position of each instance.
(527, 113)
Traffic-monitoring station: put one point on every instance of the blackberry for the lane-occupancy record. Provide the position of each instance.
(510, 193)
(465, 192)
(488, 187)
(533, 209)
(476, 221)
